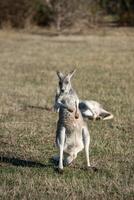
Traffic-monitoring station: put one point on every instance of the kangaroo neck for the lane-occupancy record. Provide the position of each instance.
(70, 91)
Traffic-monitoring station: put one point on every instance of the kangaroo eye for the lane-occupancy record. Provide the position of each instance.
(67, 82)
(60, 83)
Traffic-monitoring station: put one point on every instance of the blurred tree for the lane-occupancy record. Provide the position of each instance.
(124, 9)
(16, 12)
(64, 13)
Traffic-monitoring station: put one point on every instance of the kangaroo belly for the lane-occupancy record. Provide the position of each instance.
(73, 143)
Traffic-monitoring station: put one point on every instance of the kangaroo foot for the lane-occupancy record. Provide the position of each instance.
(93, 168)
(60, 171)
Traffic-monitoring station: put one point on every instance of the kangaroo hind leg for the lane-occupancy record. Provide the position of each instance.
(61, 141)
(86, 142)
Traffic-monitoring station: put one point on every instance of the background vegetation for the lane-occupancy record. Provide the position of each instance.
(64, 14)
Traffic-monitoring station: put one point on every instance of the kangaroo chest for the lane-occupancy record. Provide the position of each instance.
(69, 100)
(68, 120)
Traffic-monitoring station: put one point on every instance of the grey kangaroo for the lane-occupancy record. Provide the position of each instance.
(72, 135)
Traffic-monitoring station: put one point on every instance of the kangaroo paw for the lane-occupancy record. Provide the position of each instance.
(76, 115)
(70, 109)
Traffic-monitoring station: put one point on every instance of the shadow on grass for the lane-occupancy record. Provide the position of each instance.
(23, 163)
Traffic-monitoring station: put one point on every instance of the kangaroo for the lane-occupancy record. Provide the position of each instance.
(72, 134)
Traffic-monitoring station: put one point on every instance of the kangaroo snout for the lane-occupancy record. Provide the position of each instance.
(62, 90)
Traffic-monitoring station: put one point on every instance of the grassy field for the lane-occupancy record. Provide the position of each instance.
(105, 73)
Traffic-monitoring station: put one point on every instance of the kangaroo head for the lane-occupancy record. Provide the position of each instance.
(65, 81)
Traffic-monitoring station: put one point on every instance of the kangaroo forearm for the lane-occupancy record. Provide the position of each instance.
(60, 104)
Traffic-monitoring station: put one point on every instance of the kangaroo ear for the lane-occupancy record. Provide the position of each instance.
(60, 75)
(72, 73)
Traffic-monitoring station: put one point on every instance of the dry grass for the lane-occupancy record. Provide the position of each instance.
(105, 72)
